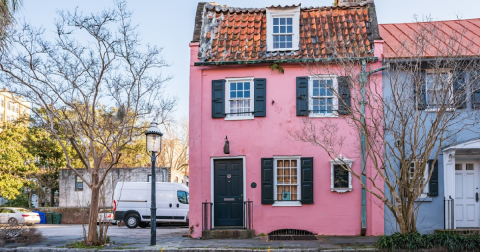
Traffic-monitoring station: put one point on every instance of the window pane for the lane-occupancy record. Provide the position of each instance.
(282, 38)
(275, 29)
(289, 21)
(287, 163)
(289, 29)
(233, 94)
(280, 163)
(458, 167)
(240, 86)
(275, 21)
(282, 21)
(469, 167)
(247, 94)
(315, 83)
(283, 29)
(289, 38)
(246, 85)
(240, 94)
(289, 45)
(233, 86)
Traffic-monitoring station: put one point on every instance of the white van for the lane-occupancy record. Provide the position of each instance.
(131, 203)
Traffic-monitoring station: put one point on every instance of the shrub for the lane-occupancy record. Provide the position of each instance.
(21, 233)
(412, 241)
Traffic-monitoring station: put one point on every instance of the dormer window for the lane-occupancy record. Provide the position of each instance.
(283, 29)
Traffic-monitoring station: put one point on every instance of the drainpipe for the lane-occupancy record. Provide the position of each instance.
(363, 79)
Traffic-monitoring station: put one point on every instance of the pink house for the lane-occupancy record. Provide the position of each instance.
(262, 179)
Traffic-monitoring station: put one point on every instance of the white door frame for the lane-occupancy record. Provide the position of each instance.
(449, 159)
(212, 181)
(476, 164)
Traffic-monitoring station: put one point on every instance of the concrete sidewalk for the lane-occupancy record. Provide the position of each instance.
(332, 243)
(57, 237)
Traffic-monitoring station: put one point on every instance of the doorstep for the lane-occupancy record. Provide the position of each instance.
(228, 234)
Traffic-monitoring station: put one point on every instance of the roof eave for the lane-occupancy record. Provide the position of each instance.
(250, 62)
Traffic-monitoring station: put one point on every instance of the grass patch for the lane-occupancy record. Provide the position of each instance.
(80, 245)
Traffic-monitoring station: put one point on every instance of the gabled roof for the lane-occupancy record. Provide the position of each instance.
(228, 34)
(431, 39)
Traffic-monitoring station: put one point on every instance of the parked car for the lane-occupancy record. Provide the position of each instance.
(15, 215)
(132, 201)
(106, 216)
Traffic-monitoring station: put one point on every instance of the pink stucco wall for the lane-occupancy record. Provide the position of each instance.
(264, 137)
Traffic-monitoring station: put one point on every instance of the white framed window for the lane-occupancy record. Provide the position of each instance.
(287, 188)
(341, 179)
(322, 100)
(239, 95)
(283, 29)
(438, 89)
(411, 175)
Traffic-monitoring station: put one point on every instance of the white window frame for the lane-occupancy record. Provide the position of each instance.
(340, 161)
(334, 97)
(426, 189)
(251, 116)
(450, 78)
(294, 13)
(299, 182)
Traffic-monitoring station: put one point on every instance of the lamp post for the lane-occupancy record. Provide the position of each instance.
(154, 145)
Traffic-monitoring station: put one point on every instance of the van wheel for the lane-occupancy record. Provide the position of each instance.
(132, 221)
(143, 224)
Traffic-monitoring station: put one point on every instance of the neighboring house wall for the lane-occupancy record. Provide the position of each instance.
(12, 107)
(70, 197)
(432, 210)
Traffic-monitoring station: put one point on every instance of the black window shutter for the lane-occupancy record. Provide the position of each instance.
(302, 96)
(307, 180)
(433, 183)
(475, 80)
(267, 181)
(459, 90)
(260, 104)
(344, 102)
(419, 83)
(218, 98)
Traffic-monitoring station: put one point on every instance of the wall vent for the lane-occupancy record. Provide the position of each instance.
(291, 235)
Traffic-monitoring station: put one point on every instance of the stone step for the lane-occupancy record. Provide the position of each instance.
(228, 234)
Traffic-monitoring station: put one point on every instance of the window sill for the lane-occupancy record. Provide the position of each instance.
(431, 110)
(424, 199)
(287, 203)
(323, 116)
(341, 190)
(239, 118)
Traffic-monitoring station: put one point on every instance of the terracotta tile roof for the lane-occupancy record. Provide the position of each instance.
(431, 39)
(239, 34)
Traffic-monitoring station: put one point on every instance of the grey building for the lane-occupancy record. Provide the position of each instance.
(75, 193)
(450, 200)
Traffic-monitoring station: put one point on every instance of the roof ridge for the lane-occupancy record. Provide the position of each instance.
(225, 8)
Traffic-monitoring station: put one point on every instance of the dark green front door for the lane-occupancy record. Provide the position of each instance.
(228, 192)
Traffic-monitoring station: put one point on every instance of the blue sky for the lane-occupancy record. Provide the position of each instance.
(169, 24)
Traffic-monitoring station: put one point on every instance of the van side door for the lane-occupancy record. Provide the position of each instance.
(181, 205)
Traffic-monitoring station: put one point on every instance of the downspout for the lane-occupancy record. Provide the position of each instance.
(363, 79)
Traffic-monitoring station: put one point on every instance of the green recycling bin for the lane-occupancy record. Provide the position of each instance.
(56, 218)
(49, 217)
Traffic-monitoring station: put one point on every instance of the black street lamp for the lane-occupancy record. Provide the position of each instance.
(154, 145)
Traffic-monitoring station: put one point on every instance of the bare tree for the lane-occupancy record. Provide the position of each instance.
(420, 107)
(95, 83)
(174, 152)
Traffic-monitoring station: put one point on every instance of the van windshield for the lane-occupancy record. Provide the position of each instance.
(183, 197)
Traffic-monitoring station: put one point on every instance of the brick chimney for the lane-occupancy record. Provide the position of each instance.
(352, 2)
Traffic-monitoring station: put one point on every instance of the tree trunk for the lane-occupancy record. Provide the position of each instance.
(92, 235)
(52, 197)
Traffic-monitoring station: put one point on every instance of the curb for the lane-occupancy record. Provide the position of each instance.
(158, 248)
